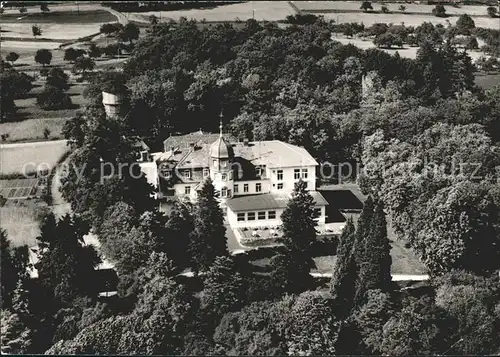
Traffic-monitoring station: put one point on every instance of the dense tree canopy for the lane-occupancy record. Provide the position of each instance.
(411, 124)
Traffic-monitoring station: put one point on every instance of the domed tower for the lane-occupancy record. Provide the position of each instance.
(221, 159)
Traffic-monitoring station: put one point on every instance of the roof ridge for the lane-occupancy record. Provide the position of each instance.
(293, 147)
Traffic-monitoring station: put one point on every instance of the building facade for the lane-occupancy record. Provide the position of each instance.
(253, 180)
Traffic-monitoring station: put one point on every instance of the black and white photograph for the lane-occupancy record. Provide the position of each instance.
(250, 178)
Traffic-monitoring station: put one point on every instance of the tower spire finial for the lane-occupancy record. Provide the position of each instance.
(220, 125)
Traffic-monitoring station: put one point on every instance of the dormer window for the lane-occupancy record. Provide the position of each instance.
(223, 163)
(258, 171)
(187, 174)
(206, 172)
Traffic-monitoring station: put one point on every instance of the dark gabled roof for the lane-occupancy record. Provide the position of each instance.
(199, 138)
(267, 201)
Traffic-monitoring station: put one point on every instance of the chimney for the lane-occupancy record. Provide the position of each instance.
(172, 150)
(191, 146)
(245, 141)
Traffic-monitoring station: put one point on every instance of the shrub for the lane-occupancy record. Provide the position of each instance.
(388, 40)
(111, 50)
(43, 56)
(36, 30)
(439, 11)
(492, 11)
(94, 51)
(71, 54)
(57, 78)
(385, 9)
(111, 28)
(46, 133)
(465, 24)
(53, 98)
(366, 5)
(12, 57)
(299, 19)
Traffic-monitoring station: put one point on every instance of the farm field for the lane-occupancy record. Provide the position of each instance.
(14, 158)
(313, 6)
(61, 23)
(55, 31)
(369, 19)
(263, 11)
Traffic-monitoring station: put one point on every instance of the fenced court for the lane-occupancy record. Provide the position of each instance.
(20, 188)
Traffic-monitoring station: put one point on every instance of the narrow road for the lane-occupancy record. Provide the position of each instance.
(295, 8)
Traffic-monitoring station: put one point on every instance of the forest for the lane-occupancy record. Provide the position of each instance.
(426, 137)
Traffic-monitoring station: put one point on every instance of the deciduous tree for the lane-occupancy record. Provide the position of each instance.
(36, 30)
(12, 57)
(43, 56)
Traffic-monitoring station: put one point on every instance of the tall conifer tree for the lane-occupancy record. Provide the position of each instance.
(344, 275)
(375, 269)
(299, 234)
(208, 240)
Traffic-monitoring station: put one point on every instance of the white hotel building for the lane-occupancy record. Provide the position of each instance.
(253, 180)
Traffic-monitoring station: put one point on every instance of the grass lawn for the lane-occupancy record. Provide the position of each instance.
(16, 158)
(30, 121)
(20, 218)
(487, 81)
(32, 129)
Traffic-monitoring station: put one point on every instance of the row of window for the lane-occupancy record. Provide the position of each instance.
(258, 187)
(297, 174)
(224, 192)
(251, 216)
(300, 174)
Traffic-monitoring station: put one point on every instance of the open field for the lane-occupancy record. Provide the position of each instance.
(348, 6)
(263, 11)
(30, 121)
(406, 51)
(59, 16)
(20, 218)
(487, 81)
(28, 157)
(32, 129)
(55, 31)
(409, 20)
(61, 23)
